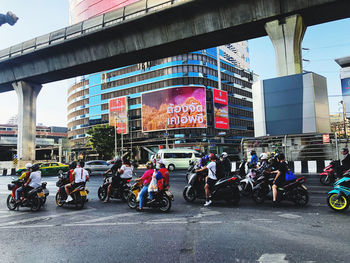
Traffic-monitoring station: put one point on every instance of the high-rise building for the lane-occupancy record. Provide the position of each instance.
(88, 99)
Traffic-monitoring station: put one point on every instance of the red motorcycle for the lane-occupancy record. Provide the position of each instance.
(327, 177)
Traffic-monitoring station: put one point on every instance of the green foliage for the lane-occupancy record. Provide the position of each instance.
(101, 140)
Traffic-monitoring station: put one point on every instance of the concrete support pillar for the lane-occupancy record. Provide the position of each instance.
(286, 35)
(26, 94)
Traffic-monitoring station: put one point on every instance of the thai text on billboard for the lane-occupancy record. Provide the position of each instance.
(345, 88)
(221, 119)
(118, 114)
(174, 108)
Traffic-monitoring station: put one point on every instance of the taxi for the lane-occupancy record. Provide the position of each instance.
(52, 168)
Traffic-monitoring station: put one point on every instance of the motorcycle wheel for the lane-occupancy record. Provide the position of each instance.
(43, 200)
(125, 195)
(302, 198)
(165, 204)
(246, 189)
(79, 201)
(59, 201)
(257, 196)
(336, 204)
(101, 193)
(190, 196)
(325, 180)
(11, 203)
(36, 204)
(131, 200)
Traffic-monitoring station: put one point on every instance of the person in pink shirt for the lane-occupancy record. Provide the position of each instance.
(146, 179)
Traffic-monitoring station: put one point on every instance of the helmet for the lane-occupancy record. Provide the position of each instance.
(280, 156)
(28, 165)
(149, 165)
(73, 165)
(161, 163)
(224, 154)
(212, 156)
(263, 156)
(345, 151)
(252, 152)
(35, 167)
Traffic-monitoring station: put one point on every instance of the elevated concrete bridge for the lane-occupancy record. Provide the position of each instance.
(152, 29)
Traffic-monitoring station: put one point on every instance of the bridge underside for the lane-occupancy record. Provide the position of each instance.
(187, 27)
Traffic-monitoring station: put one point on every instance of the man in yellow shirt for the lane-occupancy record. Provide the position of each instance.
(24, 177)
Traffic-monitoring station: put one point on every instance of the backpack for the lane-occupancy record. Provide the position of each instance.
(220, 169)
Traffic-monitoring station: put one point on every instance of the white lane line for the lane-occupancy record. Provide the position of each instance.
(33, 219)
(275, 258)
(105, 218)
(289, 216)
(23, 226)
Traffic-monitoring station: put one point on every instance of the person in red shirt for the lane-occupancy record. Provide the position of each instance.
(163, 183)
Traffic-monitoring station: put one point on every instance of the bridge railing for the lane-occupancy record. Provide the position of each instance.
(128, 12)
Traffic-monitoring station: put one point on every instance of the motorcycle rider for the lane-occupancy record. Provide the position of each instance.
(146, 179)
(162, 177)
(254, 159)
(345, 163)
(23, 177)
(210, 179)
(204, 160)
(32, 182)
(280, 178)
(226, 163)
(80, 178)
(264, 164)
(115, 176)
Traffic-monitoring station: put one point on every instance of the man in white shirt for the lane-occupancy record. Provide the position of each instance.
(80, 178)
(211, 178)
(33, 181)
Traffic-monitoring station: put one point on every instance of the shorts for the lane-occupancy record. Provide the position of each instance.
(116, 181)
(75, 185)
(279, 182)
(211, 182)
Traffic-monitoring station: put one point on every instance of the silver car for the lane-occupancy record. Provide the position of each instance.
(97, 166)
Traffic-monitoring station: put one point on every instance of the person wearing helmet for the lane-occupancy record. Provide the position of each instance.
(204, 160)
(226, 164)
(32, 182)
(210, 179)
(146, 180)
(162, 177)
(23, 177)
(80, 178)
(345, 163)
(254, 159)
(264, 164)
(115, 176)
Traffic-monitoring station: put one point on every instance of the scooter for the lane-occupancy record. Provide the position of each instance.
(338, 198)
(224, 189)
(35, 197)
(162, 201)
(120, 192)
(327, 177)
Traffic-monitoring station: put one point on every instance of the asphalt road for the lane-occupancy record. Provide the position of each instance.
(189, 233)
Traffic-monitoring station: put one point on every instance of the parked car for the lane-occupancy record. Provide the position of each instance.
(53, 168)
(97, 166)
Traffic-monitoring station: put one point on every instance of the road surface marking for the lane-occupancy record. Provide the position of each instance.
(289, 216)
(106, 218)
(275, 258)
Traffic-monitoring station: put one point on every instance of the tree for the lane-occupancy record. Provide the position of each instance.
(101, 140)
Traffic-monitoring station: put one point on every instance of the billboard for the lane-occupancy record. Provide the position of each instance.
(345, 89)
(174, 108)
(221, 119)
(118, 114)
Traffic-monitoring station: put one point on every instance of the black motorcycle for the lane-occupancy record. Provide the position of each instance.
(120, 192)
(78, 194)
(294, 190)
(35, 197)
(224, 189)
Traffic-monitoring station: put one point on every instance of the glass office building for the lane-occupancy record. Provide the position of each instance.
(88, 98)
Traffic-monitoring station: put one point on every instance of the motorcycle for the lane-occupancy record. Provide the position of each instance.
(246, 180)
(327, 177)
(121, 192)
(78, 194)
(338, 198)
(294, 190)
(224, 189)
(35, 197)
(162, 201)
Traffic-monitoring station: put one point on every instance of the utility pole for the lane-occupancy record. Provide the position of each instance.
(115, 138)
(219, 67)
(344, 120)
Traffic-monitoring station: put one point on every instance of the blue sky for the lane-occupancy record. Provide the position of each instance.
(37, 17)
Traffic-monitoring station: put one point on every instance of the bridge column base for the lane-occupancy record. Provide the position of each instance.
(286, 35)
(26, 94)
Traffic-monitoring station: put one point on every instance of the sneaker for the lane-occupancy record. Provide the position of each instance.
(69, 198)
(208, 203)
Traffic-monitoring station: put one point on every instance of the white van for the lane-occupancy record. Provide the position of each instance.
(177, 158)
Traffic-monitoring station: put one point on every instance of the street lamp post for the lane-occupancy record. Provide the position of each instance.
(115, 138)
(344, 120)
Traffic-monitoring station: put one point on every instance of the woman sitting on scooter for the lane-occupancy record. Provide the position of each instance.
(146, 179)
